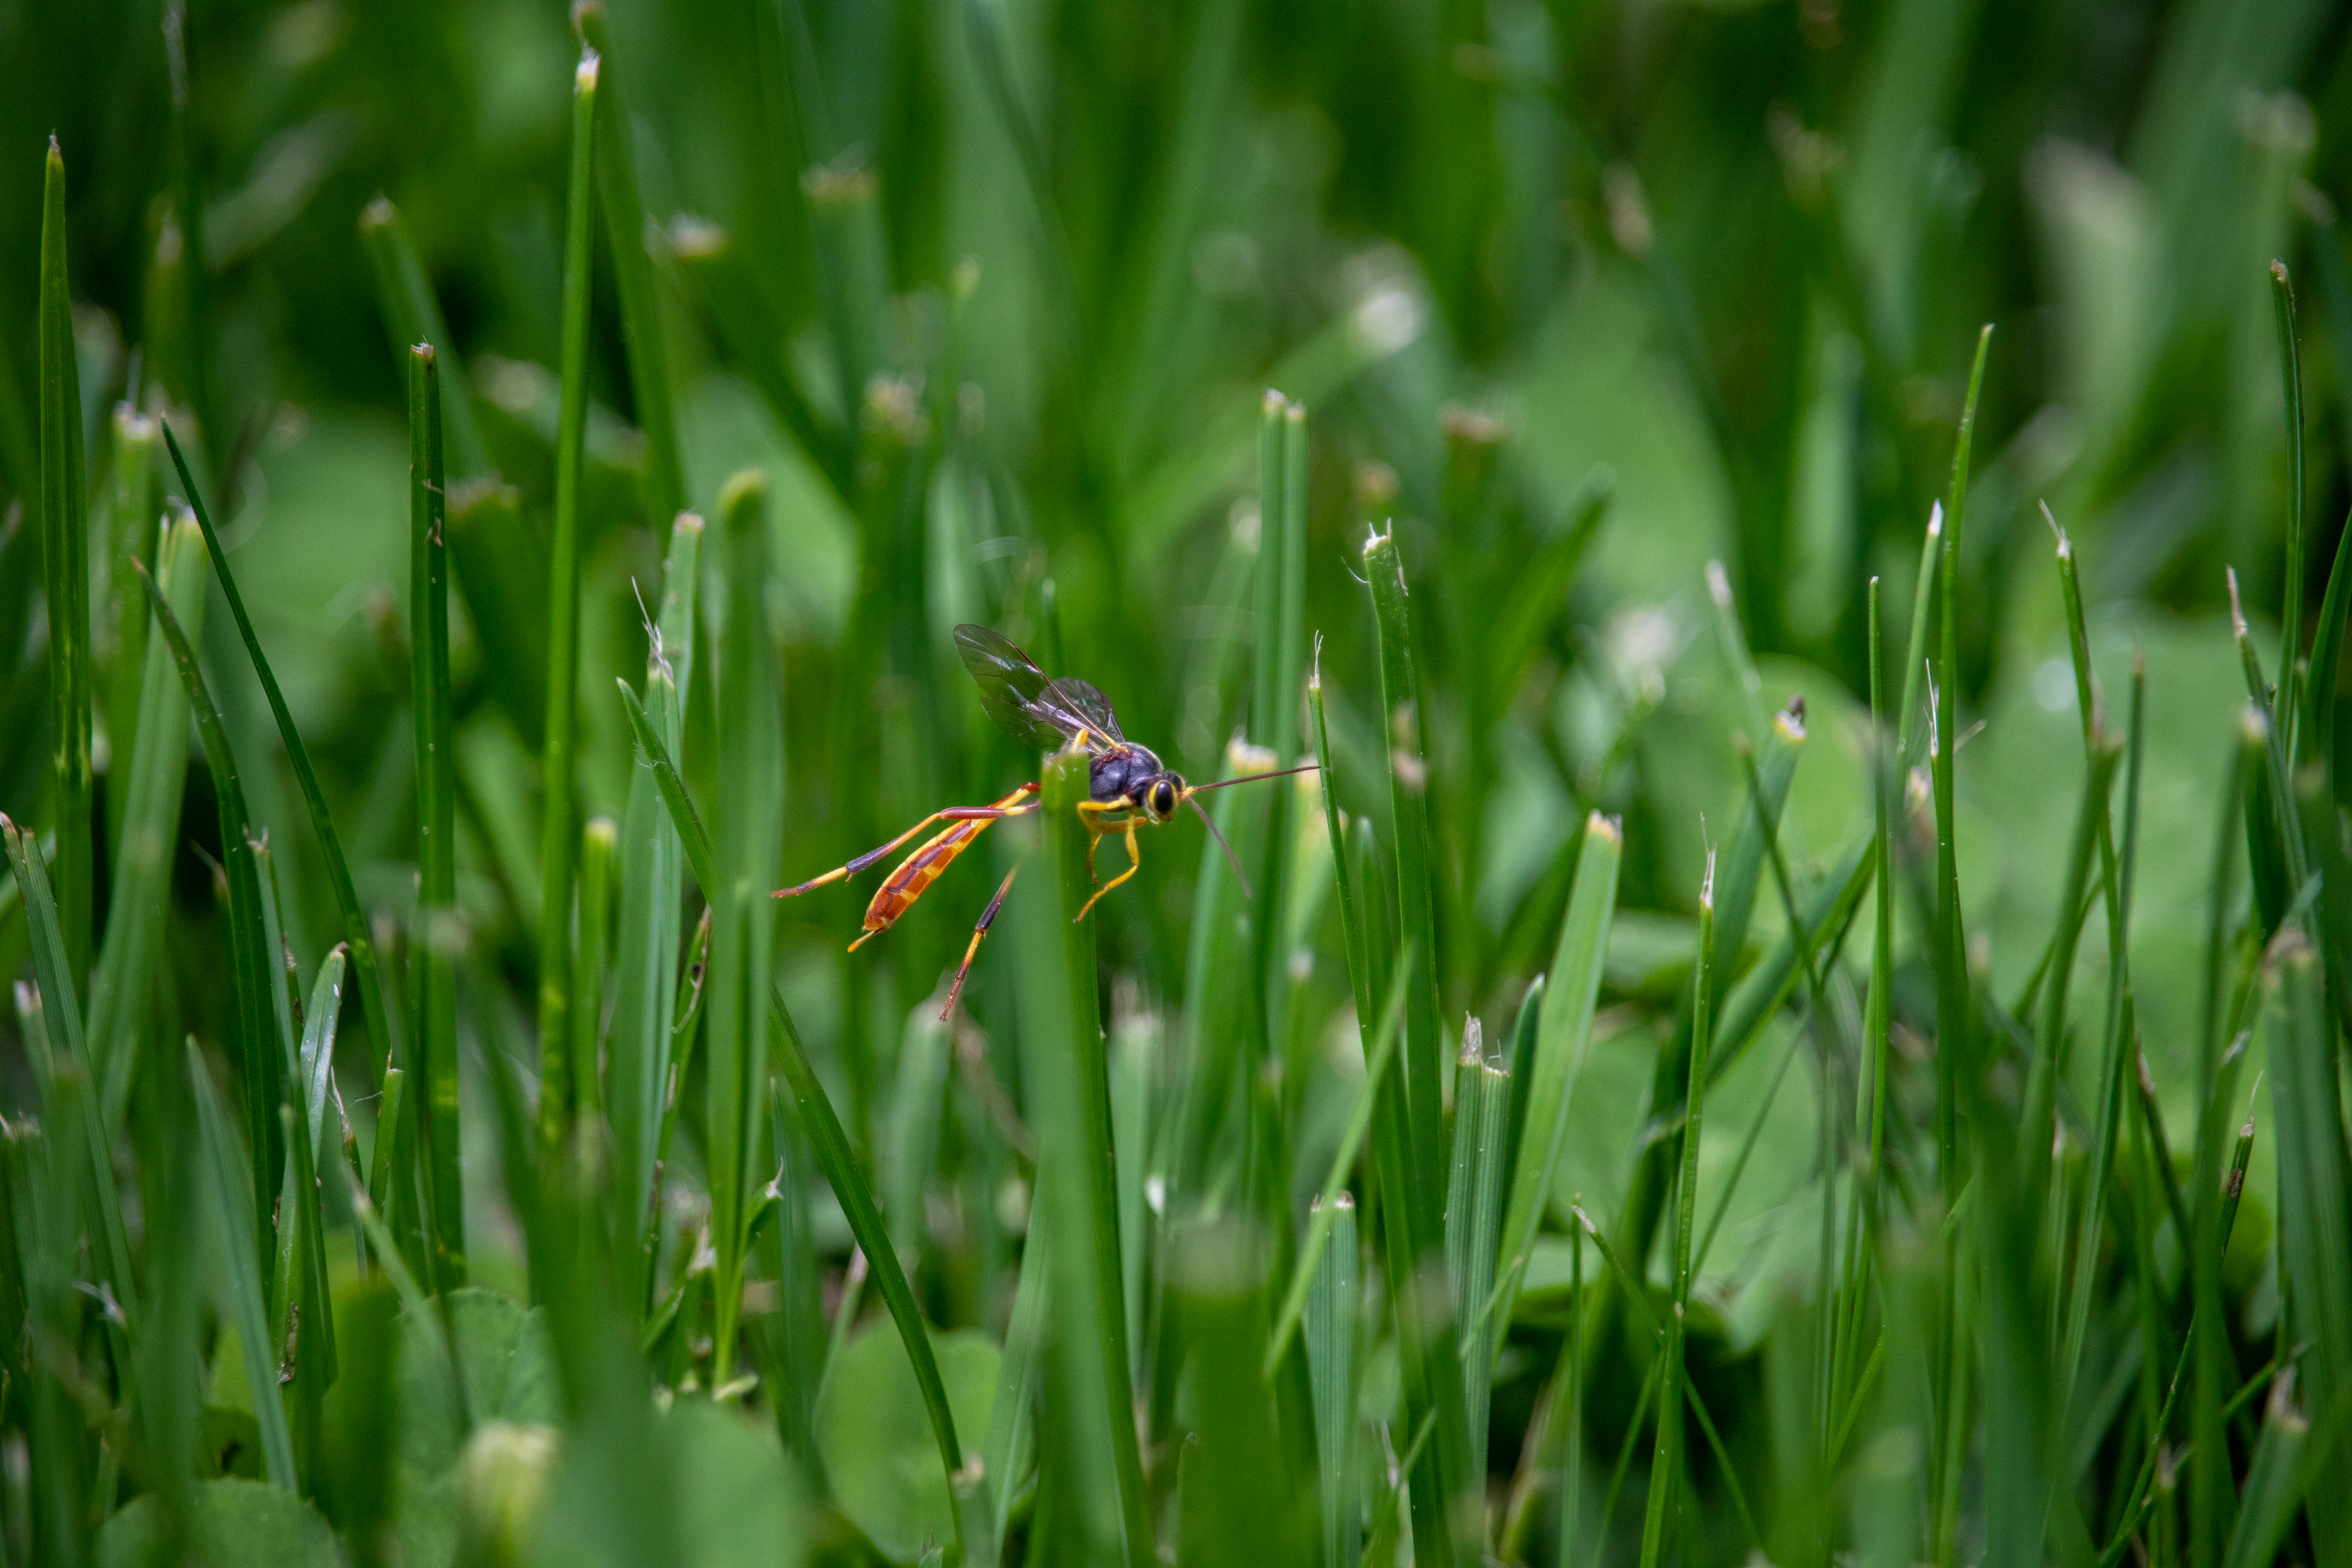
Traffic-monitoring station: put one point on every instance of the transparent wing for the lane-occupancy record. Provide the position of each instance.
(1026, 705)
(1085, 699)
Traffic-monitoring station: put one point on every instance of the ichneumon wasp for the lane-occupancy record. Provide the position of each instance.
(1128, 787)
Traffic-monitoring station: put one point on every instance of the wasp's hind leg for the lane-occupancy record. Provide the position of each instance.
(978, 935)
(1134, 864)
(1010, 805)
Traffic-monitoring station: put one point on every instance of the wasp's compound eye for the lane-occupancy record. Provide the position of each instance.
(1163, 799)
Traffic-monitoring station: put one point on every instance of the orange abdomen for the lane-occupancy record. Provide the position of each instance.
(915, 874)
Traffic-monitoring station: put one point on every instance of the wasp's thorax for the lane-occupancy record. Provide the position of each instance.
(1134, 774)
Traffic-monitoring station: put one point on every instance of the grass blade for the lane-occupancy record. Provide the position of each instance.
(817, 1117)
(1331, 1316)
(1666, 1469)
(68, 1053)
(559, 841)
(1239, 1501)
(64, 571)
(1364, 921)
(750, 786)
(439, 936)
(128, 957)
(1416, 920)
(372, 999)
(632, 273)
(227, 1188)
(1564, 1034)
(249, 952)
(130, 531)
(404, 294)
(1325, 1212)
(652, 878)
(2290, 709)
(1482, 1129)
(2314, 1196)
(599, 847)
(1088, 1401)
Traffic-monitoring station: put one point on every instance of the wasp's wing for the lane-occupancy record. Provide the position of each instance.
(1086, 701)
(1017, 695)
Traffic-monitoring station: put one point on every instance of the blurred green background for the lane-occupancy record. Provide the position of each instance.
(991, 293)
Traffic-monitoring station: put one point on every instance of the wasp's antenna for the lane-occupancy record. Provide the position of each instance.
(1253, 778)
(1206, 821)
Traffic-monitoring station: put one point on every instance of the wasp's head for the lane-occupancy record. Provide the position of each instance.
(1163, 796)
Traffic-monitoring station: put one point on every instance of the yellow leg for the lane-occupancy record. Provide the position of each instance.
(1134, 864)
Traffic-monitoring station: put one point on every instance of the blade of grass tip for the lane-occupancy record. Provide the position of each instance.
(814, 1107)
(439, 937)
(1416, 919)
(1326, 1211)
(1923, 603)
(558, 840)
(751, 788)
(404, 295)
(632, 273)
(1331, 1319)
(1666, 1469)
(132, 518)
(2291, 593)
(1484, 1318)
(652, 879)
(2315, 1197)
(2078, 635)
(64, 569)
(356, 933)
(1087, 1390)
(1564, 1034)
(228, 1189)
(154, 785)
(1954, 1055)
(249, 954)
(61, 1015)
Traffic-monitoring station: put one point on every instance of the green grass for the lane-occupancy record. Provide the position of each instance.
(1615, 446)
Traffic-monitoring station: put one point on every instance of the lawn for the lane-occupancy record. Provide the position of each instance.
(1773, 982)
